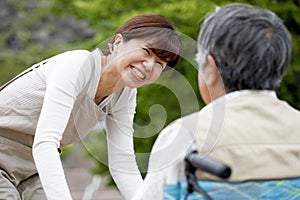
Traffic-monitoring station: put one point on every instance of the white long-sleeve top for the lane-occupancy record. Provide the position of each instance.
(54, 102)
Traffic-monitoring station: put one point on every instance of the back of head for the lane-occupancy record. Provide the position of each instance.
(250, 45)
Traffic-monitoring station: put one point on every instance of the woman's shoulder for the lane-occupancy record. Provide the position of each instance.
(68, 60)
(75, 66)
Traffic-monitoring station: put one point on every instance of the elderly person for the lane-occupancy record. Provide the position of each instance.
(243, 53)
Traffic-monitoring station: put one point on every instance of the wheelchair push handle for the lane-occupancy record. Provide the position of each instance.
(206, 164)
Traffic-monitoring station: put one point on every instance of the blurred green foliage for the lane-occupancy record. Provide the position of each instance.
(175, 94)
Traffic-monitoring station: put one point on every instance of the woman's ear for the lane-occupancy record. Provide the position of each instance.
(117, 41)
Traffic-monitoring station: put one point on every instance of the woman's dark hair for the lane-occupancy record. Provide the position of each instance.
(162, 38)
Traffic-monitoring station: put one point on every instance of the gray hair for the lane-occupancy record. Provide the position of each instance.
(251, 47)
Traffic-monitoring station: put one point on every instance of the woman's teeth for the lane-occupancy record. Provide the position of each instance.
(138, 73)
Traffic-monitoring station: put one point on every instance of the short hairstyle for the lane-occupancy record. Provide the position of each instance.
(162, 38)
(250, 45)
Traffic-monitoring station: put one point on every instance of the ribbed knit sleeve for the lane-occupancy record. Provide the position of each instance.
(65, 76)
(119, 128)
(166, 161)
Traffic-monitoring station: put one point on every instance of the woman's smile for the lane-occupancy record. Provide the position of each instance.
(137, 72)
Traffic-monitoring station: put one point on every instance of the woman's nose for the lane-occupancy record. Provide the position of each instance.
(149, 64)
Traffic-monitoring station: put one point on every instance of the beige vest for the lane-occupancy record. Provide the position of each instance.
(20, 124)
(256, 134)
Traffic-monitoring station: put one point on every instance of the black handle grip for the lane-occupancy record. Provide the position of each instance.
(209, 165)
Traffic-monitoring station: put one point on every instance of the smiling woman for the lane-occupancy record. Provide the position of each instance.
(59, 100)
(138, 47)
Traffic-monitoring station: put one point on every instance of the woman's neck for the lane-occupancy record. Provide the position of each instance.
(109, 82)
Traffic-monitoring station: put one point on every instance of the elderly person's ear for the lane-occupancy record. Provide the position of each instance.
(210, 84)
(211, 72)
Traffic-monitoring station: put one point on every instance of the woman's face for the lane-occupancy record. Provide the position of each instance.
(135, 63)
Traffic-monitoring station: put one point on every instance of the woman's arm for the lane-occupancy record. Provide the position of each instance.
(121, 156)
(63, 83)
(166, 162)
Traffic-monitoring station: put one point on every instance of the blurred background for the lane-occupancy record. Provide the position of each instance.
(32, 30)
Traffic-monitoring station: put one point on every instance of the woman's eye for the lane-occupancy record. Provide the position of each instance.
(149, 53)
(161, 64)
(147, 50)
